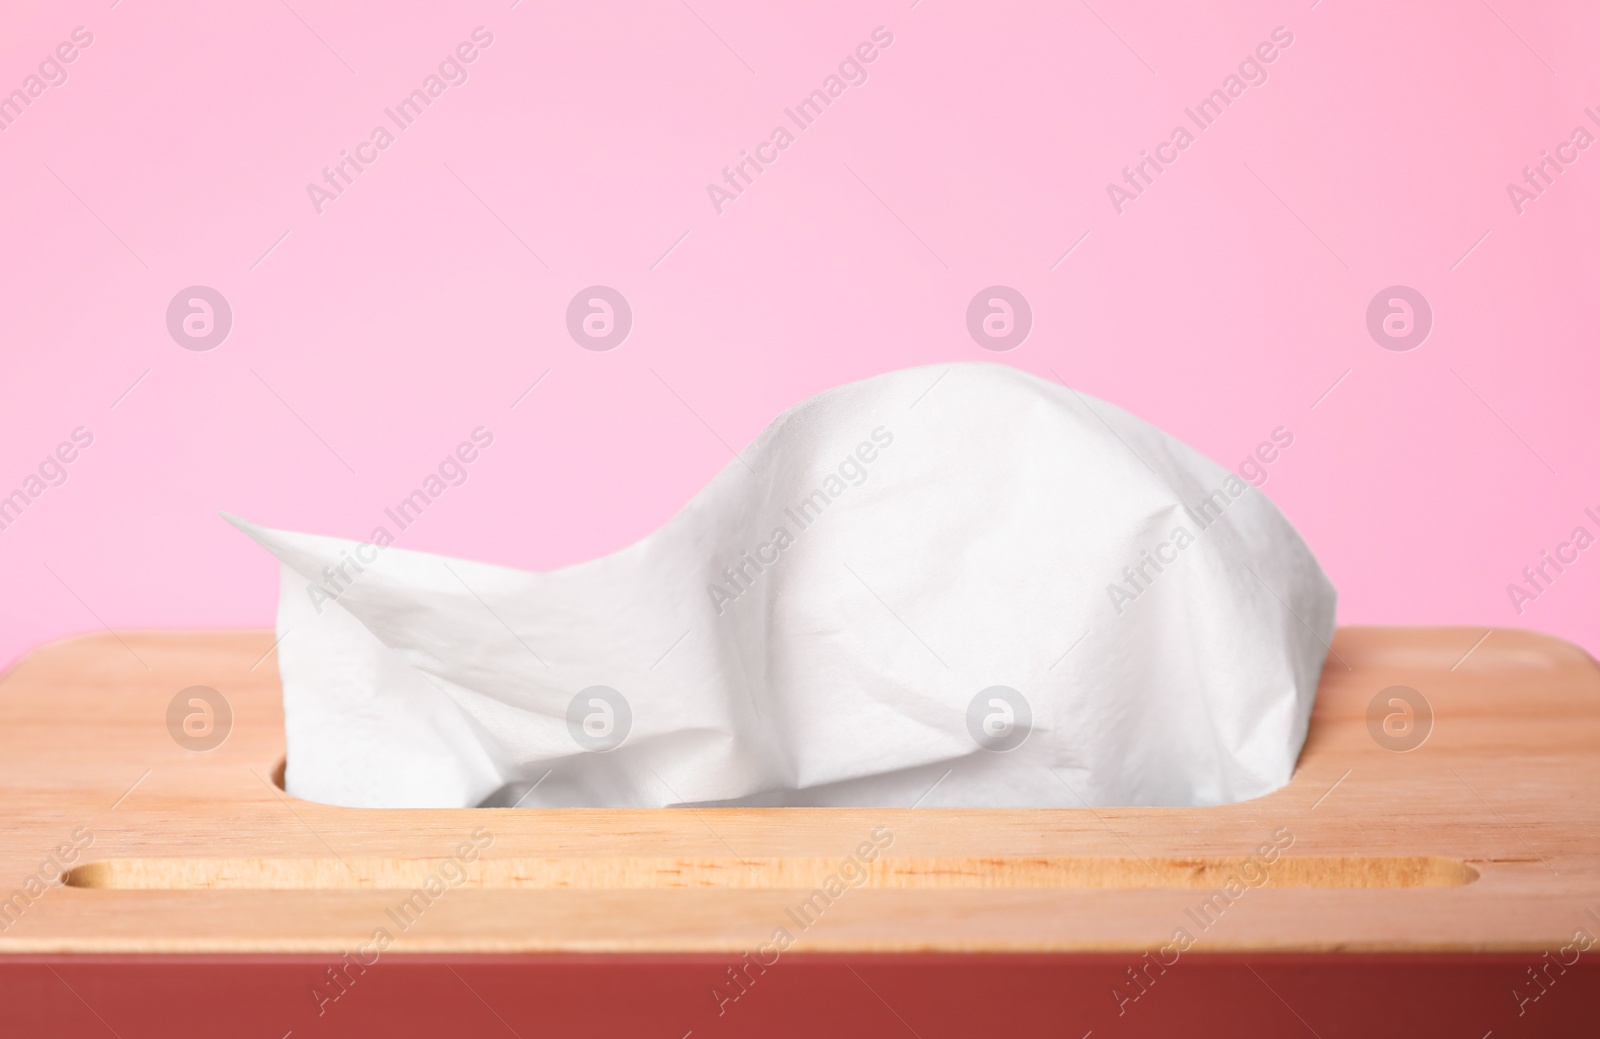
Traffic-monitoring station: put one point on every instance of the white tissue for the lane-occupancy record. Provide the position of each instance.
(942, 615)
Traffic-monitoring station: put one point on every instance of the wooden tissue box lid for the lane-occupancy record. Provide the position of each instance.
(1483, 838)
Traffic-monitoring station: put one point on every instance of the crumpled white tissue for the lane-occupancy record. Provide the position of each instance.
(955, 585)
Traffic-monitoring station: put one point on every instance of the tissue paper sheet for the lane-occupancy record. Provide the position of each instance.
(953, 585)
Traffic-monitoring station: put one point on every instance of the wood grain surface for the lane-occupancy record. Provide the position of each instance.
(1482, 839)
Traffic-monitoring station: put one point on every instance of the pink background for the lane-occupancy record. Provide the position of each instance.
(1223, 303)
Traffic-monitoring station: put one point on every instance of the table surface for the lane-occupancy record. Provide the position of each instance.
(1481, 839)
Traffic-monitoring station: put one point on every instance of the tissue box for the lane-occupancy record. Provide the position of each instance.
(1433, 867)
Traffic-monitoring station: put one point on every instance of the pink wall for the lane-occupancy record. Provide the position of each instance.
(368, 339)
